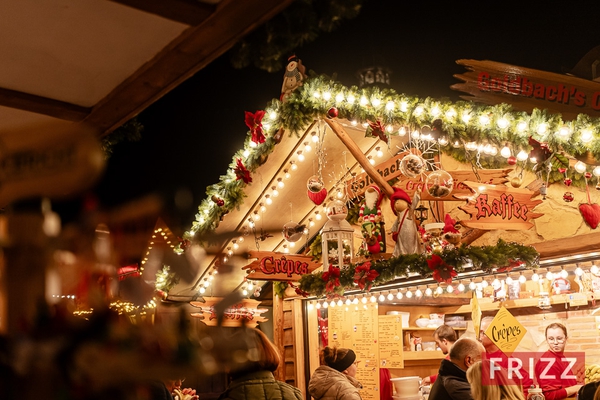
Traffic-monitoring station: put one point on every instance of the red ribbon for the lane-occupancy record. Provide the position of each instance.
(254, 122)
(378, 130)
(241, 172)
(442, 272)
(364, 275)
(332, 277)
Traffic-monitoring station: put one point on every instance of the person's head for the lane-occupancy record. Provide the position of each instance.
(257, 353)
(486, 341)
(174, 383)
(444, 337)
(340, 359)
(466, 352)
(482, 390)
(556, 337)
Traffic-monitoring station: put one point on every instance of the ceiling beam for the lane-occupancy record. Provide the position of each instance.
(43, 105)
(190, 12)
(193, 50)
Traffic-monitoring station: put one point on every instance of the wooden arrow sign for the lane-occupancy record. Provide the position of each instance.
(273, 266)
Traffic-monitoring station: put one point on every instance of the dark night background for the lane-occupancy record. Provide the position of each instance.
(191, 134)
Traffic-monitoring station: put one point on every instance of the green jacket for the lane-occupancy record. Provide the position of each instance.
(258, 386)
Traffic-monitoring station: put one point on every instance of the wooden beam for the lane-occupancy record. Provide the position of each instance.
(188, 12)
(186, 55)
(43, 105)
(433, 301)
(563, 247)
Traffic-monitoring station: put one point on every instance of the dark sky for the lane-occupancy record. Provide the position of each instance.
(192, 133)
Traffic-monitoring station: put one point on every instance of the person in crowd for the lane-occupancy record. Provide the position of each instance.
(179, 393)
(335, 378)
(451, 383)
(444, 337)
(589, 391)
(493, 352)
(386, 389)
(480, 390)
(554, 377)
(252, 377)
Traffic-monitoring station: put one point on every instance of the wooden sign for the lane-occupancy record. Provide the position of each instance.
(494, 207)
(525, 89)
(245, 312)
(505, 331)
(272, 266)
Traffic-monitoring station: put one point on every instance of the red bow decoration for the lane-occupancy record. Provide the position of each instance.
(377, 129)
(332, 277)
(254, 122)
(511, 264)
(541, 152)
(241, 172)
(449, 224)
(298, 291)
(364, 276)
(442, 272)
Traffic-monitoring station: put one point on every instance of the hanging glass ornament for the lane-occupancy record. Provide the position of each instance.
(336, 210)
(439, 183)
(412, 166)
(315, 184)
(292, 231)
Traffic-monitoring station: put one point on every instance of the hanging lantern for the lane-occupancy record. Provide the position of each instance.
(337, 237)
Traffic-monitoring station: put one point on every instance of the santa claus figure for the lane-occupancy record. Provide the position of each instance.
(404, 229)
(371, 220)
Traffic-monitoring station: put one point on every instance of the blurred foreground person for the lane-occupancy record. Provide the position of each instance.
(252, 377)
(481, 390)
(335, 378)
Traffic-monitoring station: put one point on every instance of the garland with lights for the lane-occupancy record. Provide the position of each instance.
(502, 258)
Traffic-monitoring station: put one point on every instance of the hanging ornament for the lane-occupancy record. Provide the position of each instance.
(332, 112)
(512, 160)
(412, 165)
(540, 151)
(544, 190)
(439, 183)
(568, 197)
(218, 201)
(567, 181)
(292, 231)
(336, 210)
(590, 212)
(317, 192)
(516, 181)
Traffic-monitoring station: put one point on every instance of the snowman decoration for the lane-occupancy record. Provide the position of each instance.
(371, 220)
(295, 74)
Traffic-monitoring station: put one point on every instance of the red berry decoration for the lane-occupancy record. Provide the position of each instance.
(333, 112)
(567, 181)
(588, 175)
(568, 197)
(220, 202)
(512, 160)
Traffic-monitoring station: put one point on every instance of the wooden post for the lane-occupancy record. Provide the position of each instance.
(278, 335)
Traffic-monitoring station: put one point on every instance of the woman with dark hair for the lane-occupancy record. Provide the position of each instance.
(335, 379)
(252, 370)
(552, 370)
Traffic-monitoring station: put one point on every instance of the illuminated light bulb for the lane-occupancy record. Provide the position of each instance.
(274, 191)
(578, 271)
(502, 123)
(285, 249)
(580, 167)
(419, 111)
(348, 302)
(332, 304)
(363, 300)
(472, 285)
(294, 165)
(428, 292)
(495, 282)
(266, 127)
(318, 215)
(443, 140)
(253, 144)
(339, 194)
(456, 144)
(403, 106)
(316, 95)
(315, 137)
(439, 290)
(376, 102)
(280, 183)
(402, 131)
(318, 306)
(292, 244)
(493, 151)
(522, 156)
(586, 135)
(340, 302)
(325, 304)
(373, 299)
(564, 131)
(594, 269)
(461, 287)
(488, 149)
(435, 111)
(418, 293)
(390, 296)
(409, 294)
(262, 207)
(327, 96)
(415, 134)
(505, 152)
(351, 99)
(339, 97)
(202, 290)
(378, 151)
(564, 274)
(596, 171)
(533, 160)
(371, 160)
(542, 128)
(272, 114)
(307, 147)
(355, 301)
(365, 124)
(451, 113)
(363, 101)
(256, 216)
(389, 129)
(381, 297)
(484, 120)
(250, 286)
(300, 156)
(229, 252)
(509, 280)
(311, 223)
(245, 292)
(353, 122)
(268, 199)
(549, 276)
(251, 223)
(399, 295)
(450, 289)
(522, 279)
(466, 117)
(306, 231)
(390, 105)
(535, 277)
(310, 305)
(484, 283)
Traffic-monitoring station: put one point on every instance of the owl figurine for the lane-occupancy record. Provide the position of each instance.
(295, 74)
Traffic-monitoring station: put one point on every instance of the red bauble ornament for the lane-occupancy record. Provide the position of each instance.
(512, 160)
(568, 197)
(333, 112)
(317, 197)
(588, 175)
(562, 170)
(568, 181)
(220, 202)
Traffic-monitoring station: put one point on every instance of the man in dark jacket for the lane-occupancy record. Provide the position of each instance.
(451, 383)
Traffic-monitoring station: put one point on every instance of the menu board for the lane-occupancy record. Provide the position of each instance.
(390, 342)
